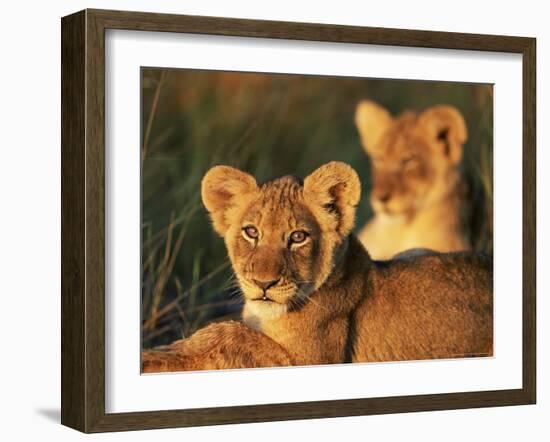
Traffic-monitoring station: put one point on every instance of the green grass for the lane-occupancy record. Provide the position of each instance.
(268, 125)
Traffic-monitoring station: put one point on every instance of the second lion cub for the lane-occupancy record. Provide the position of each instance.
(416, 189)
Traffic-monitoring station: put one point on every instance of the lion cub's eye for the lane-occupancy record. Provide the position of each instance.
(298, 236)
(408, 162)
(251, 232)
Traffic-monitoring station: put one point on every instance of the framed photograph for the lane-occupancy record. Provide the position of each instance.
(266, 220)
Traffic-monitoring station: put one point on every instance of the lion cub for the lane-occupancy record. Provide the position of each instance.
(312, 293)
(415, 162)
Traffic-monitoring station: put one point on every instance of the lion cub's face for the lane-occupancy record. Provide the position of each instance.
(282, 237)
(414, 157)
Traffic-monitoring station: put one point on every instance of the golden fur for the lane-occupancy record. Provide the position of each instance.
(322, 299)
(213, 348)
(416, 193)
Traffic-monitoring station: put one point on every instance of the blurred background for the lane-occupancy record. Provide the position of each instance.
(268, 125)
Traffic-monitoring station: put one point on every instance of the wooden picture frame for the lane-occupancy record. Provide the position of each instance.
(83, 220)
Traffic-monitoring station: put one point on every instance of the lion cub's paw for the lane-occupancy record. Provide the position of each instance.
(223, 345)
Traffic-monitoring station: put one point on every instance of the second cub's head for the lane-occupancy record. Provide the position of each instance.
(414, 156)
(284, 236)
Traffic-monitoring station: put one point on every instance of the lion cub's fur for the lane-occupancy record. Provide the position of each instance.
(214, 347)
(327, 301)
(417, 185)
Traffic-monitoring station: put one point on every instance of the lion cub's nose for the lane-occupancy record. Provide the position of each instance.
(265, 285)
(385, 197)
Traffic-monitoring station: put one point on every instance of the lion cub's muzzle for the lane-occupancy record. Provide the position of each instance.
(266, 285)
(274, 290)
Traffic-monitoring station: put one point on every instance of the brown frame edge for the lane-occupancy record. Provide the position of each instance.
(83, 216)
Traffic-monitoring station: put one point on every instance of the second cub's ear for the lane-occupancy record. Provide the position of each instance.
(372, 120)
(447, 128)
(222, 188)
(335, 190)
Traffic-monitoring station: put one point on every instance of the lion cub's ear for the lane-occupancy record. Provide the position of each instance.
(222, 188)
(446, 126)
(372, 120)
(334, 189)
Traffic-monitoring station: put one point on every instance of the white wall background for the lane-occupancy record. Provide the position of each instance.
(30, 217)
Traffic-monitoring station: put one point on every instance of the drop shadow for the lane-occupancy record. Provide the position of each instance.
(51, 414)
